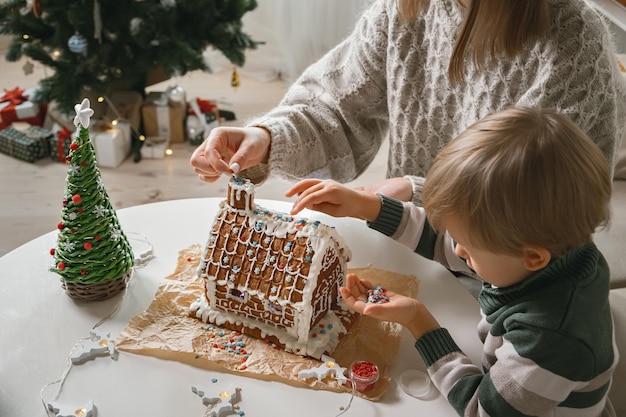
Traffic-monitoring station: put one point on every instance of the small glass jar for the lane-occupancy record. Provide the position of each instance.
(415, 383)
(364, 375)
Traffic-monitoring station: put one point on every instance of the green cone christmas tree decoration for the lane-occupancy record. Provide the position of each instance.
(92, 255)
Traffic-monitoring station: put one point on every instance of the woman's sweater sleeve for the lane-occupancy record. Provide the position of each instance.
(332, 120)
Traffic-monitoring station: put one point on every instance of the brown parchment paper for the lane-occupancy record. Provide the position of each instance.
(165, 330)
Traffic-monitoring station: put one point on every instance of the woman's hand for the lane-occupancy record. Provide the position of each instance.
(400, 309)
(334, 199)
(230, 150)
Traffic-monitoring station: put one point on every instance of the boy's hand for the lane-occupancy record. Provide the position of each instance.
(334, 199)
(400, 309)
(399, 188)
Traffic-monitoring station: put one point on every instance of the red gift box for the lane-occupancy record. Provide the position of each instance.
(199, 125)
(14, 106)
(60, 143)
(205, 106)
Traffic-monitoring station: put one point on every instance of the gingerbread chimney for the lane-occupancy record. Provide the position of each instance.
(240, 193)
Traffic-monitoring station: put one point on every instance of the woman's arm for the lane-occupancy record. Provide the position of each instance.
(331, 122)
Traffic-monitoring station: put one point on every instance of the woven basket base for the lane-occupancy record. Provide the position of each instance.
(95, 292)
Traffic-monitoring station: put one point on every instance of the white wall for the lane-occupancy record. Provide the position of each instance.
(296, 33)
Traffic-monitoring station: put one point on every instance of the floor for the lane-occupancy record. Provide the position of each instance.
(32, 192)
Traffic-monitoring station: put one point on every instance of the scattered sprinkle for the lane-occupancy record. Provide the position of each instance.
(377, 295)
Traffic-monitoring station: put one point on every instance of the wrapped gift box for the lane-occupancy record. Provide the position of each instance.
(163, 117)
(111, 143)
(55, 117)
(59, 142)
(126, 105)
(198, 127)
(154, 147)
(14, 106)
(26, 142)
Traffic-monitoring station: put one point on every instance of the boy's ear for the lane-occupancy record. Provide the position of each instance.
(536, 257)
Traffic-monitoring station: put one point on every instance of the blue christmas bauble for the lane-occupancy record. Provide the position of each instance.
(77, 43)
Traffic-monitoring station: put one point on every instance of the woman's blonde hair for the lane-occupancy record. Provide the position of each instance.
(490, 28)
(519, 177)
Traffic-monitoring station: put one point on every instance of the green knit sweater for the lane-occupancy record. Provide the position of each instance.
(548, 342)
(391, 80)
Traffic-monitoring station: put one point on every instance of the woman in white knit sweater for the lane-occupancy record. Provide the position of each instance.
(420, 72)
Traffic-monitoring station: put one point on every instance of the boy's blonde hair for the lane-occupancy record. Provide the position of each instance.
(491, 28)
(520, 177)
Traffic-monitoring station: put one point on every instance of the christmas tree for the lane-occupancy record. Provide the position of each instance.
(92, 255)
(107, 45)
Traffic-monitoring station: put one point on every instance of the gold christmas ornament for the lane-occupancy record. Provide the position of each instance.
(235, 78)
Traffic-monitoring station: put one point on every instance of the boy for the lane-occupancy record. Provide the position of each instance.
(515, 199)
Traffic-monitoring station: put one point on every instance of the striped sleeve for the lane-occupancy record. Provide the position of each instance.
(407, 224)
(390, 217)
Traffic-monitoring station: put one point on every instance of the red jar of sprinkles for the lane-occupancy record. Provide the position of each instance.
(364, 375)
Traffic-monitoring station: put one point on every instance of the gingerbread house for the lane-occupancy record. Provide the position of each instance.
(274, 276)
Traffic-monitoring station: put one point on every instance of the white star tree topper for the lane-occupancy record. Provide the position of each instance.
(83, 113)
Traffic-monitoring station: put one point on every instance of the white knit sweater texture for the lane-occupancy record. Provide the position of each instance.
(391, 80)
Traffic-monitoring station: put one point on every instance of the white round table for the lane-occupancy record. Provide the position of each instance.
(40, 324)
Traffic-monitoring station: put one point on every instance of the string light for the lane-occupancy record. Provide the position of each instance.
(169, 151)
(26, 36)
(343, 409)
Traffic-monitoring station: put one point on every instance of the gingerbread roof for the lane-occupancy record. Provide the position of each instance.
(269, 254)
